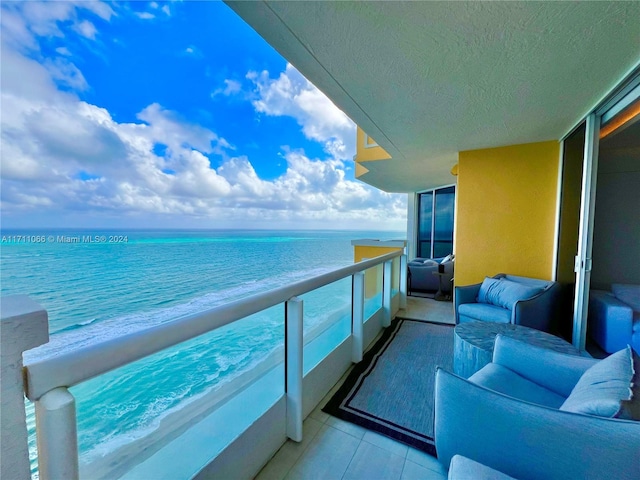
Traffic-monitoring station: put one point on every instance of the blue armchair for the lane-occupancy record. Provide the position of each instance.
(507, 416)
(518, 300)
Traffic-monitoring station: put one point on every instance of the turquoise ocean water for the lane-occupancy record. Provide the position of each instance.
(100, 289)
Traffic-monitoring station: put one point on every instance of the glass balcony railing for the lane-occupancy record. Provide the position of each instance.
(213, 375)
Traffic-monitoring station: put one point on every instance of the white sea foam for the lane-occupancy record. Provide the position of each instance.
(156, 411)
(88, 322)
(94, 332)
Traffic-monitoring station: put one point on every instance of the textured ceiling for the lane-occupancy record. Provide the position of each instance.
(429, 79)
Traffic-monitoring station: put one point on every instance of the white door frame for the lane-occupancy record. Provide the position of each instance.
(585, 236)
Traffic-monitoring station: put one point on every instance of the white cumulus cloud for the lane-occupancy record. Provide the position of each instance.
(231, 87)
(86, 29)
(145, 15)
(291, 94)
(64, 158)
(23, 22)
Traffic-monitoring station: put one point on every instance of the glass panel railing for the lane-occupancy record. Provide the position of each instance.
(185, 403)
(372, 291)
(395, 276)
(327, 321)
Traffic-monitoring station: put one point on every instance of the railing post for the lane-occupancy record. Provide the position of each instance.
(23, 326)
(386, 295)
(293, 366)
(403, 281)
(57, 435)
(357, 316)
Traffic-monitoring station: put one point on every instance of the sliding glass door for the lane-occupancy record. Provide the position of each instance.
(581, 151)
(425, 224)
(435, 222)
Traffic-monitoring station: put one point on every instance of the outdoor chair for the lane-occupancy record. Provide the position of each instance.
(538, 414)
(422, 274)
(509, 299)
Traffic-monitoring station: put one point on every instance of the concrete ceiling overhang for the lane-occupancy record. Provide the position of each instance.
(429, 79)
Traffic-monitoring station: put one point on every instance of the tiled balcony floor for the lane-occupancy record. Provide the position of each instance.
(428, 309)
(335, 449)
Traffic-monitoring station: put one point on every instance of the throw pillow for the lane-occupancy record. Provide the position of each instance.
(505, 293)
(630, 409)
(446, 259)
(487, 285)
(430, 263)
(629, 294)
(603, 387)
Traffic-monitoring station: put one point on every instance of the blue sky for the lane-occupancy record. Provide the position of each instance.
(153, 114)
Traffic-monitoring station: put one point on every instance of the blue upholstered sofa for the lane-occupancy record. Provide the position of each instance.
(509, 299)
(537, 414)
(614, 317)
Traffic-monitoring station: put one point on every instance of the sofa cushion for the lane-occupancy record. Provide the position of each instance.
(484, 312)
(505, 293)
(629, 294)
(504, 380)
(603, 387)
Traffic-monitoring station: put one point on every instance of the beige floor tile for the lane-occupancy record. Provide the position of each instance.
(289, 453)
(428, 309)
(347, 427)
(372, 462)
(319, 415)
(386, 443)
(413, 471)
(327, 457)
(424, 460)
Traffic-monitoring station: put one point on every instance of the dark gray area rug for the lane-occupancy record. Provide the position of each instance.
(391, 391)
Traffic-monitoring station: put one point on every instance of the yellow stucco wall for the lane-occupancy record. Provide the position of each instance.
(373, 282)
(506, 210)
(367, 153)
(360, 252)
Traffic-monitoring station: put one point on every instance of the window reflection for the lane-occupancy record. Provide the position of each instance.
(435, 231)
(425, 222)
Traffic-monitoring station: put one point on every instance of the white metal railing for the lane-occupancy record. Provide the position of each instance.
(47, 380)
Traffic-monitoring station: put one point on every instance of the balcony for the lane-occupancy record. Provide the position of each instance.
(248, 418)
(333, 448)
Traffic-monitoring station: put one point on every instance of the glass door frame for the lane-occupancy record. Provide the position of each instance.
(623, 95)
(583, 263)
